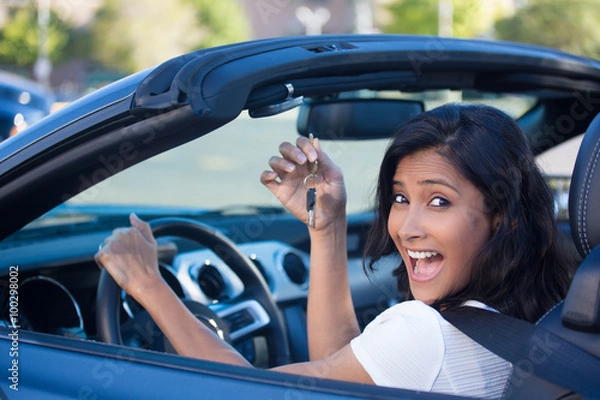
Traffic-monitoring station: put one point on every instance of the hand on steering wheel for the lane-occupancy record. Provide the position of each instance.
(256, 295)
(129, 255)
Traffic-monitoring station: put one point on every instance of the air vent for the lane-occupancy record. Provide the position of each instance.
(211, 282)
(294, 268)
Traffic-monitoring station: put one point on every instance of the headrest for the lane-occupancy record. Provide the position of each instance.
(584, 194)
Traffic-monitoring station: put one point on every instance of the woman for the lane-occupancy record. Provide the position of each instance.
(459, 198)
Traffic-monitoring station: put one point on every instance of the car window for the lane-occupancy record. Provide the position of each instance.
(222, 169)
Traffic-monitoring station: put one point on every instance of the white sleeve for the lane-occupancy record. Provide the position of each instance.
(403, 347)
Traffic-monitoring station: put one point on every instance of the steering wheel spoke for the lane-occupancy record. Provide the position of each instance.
(244, 318)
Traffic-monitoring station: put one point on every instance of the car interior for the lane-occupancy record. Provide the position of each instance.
(237, 260)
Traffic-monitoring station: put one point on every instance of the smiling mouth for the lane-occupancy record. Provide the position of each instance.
(425, 264)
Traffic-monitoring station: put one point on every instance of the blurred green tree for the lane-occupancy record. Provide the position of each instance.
(421, 17)
(412, 17)
(223, 22)
(19, 41)
(137, 34)
(569, 25)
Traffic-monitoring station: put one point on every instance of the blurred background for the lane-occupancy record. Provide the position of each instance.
(54, 51)
(67, 48)
(74, 46)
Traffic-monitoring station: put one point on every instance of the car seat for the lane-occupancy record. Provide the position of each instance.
(577, 318)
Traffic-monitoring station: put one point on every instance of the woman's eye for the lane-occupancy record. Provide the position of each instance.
(439, 202)
(400, 199)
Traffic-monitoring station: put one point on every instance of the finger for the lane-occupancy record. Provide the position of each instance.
(142, 226)
(98, 258)
(326, 165)
(281, 166)
(323, 157)
(292, 153)
(269, 179)
(115, 234)
(307, 148)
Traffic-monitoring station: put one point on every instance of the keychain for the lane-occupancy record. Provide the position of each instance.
(310, 182)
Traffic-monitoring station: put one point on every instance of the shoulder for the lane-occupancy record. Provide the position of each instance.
(409, 318)
(412, 309)
(469, 366)
(412, 314)
(403, 339)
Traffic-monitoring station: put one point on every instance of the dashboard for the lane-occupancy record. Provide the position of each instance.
(58, 281)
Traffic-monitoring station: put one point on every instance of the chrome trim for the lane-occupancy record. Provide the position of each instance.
(280, 256)
(187, 273)
(290, 89)
(260, 316)
(63, 288)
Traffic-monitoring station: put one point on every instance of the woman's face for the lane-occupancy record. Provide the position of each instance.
(438, 223)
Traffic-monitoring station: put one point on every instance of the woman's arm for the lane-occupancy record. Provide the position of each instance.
(186, 333)
(341, 365)
(331, 319)
(129, 255)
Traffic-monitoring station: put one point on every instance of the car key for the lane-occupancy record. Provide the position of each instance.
(311, 199)
(310, 182)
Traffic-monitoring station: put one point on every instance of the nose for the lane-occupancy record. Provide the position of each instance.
(411, 225)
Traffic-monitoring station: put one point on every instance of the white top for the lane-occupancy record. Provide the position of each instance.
(410, 346)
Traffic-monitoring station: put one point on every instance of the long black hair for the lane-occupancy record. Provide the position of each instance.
(524, 269)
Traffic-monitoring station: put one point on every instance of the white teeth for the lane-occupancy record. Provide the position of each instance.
(417, 268)
(421, 254)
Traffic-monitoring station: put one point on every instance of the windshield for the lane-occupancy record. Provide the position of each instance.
(222, 169)
(219, 173)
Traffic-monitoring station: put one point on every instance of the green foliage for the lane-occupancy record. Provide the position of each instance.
(19, 38)
(223, 22)
(569, 25)
(421, 17)
(137, 34)
(110, 39)
(418, 17)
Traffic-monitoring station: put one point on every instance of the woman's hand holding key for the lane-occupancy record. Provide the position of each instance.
(289, 181)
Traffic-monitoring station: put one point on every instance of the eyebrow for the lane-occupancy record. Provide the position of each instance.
(429, 182)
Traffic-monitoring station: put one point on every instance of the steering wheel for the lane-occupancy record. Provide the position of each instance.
(254, 306)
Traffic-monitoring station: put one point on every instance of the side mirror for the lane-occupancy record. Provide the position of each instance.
(355, 119)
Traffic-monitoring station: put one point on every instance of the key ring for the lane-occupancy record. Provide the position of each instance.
(311, 181)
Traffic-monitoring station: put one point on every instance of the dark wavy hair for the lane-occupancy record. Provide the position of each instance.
(525, 267)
